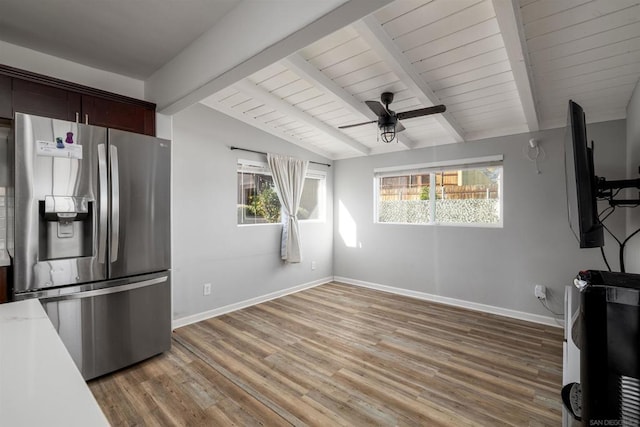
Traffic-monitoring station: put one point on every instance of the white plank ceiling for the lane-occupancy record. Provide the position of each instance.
(501, 67)
(588, 51)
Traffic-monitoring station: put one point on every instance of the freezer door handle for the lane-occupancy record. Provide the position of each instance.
(115, 204)
(104, 197)
(105, 291)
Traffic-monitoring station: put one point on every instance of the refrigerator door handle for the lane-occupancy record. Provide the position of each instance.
(105, 291)
(104, 197)
(115, 203)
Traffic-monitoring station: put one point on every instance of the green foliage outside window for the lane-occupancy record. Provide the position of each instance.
(258, 202)
(265, 204)
(425, 191)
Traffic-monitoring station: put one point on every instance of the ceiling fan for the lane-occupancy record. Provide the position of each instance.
(388, 120)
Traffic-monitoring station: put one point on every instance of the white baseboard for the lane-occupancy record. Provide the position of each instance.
(536, 318)
(187, 320)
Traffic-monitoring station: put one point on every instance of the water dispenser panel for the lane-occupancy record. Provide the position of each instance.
(65, 208)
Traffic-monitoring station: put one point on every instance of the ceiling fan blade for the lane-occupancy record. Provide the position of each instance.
(357, 124)
(399, 127)
(377, 108)
(421, 112)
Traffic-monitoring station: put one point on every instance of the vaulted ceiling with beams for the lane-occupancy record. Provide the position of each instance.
(501, 67)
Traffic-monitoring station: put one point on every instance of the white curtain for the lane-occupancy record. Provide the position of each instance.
(288, 175)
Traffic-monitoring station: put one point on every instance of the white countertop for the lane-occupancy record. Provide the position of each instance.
(39, 382)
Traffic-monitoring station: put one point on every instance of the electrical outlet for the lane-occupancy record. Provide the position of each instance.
(313, 265)
(206, 289)
(540, 292)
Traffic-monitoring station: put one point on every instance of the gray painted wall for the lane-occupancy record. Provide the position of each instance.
(494, 266)
(208, 246)
(632, 252)
(490, 266)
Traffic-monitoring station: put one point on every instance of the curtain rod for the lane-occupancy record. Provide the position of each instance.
(262, 152)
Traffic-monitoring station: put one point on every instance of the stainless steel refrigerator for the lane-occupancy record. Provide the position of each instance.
(92, 238)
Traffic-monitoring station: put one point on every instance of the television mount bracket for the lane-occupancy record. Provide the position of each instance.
(606, 188)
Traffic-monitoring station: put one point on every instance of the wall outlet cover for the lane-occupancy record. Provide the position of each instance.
(540, 292)
(206, 289)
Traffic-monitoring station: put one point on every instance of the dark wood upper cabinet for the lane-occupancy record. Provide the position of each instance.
(117, 115)
(31, 93)
(43, 100)
(4, 285)
(5, 97)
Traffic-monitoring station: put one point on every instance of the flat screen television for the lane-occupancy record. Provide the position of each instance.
(581, 181)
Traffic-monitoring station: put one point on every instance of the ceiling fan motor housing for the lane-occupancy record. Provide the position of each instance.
(386, 98)
(387, 121)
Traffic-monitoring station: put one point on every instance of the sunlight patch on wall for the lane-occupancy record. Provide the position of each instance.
(347, 226)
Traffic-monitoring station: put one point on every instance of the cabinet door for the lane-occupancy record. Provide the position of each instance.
(5, 97)
(118, 115)
(44, 100)
(4, 284)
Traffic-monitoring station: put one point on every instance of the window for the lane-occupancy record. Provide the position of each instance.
(466, 192)
(258, 201)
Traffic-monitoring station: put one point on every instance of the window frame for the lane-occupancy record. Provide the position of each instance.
(253, 166)
(322, 195)
(432, 168)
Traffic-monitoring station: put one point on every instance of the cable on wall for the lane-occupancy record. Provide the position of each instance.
(557, 317)
(534, 152)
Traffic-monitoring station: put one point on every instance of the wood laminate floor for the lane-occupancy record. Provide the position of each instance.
(343, 355)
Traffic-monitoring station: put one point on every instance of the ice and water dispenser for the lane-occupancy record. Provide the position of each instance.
(65, 227)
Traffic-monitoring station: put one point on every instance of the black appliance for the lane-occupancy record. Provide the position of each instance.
(610, 343)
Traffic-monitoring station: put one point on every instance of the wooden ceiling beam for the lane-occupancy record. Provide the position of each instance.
(262, 32)
(372, 32)
(304, 69)
(251, 121)
(271, 100)
(510, 24)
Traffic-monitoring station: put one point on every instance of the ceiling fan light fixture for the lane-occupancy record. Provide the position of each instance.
(388, 133)
(389, 121)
